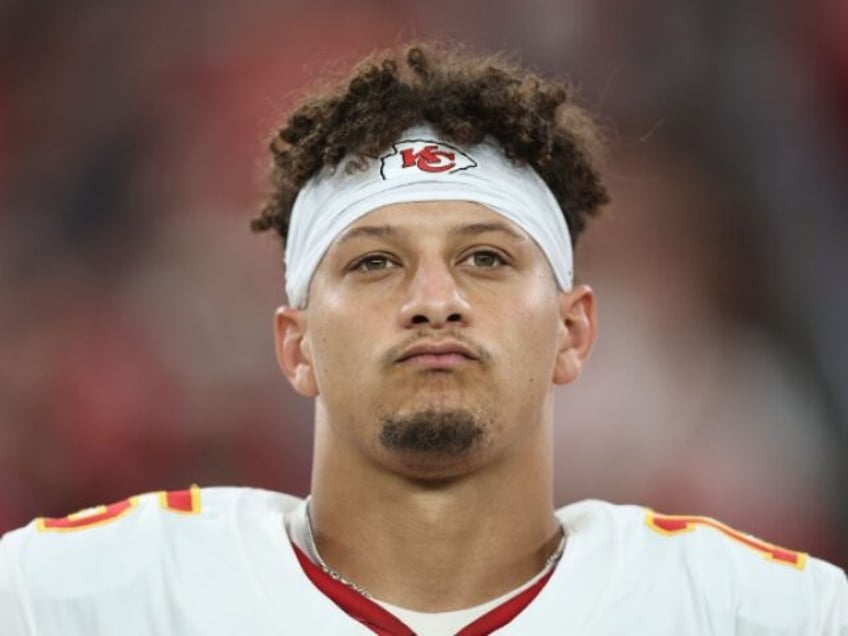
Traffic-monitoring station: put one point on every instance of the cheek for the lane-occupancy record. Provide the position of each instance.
(535, 343)
(333, 352)
(342, 349)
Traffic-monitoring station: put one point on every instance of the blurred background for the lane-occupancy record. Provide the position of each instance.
(136, 306)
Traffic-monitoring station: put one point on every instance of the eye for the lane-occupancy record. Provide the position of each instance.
(487, 259)
(372, 263)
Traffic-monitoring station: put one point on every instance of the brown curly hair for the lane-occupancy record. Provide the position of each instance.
(464, 97)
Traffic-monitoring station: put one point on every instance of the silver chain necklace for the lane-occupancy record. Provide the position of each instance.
(316, 557)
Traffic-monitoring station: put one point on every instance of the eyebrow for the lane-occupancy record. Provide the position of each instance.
(379, 231)
(469, 229)
(472, 229)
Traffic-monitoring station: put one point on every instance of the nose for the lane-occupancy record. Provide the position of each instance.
(434, 299)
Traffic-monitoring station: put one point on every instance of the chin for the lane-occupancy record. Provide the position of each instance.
(434, 432)
(433, 471)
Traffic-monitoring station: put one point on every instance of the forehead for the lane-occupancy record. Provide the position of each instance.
(443, 217)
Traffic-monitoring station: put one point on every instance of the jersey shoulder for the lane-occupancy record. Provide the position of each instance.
(109, 545)
(716, 565)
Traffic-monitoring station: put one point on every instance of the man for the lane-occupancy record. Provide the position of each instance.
(428, 206)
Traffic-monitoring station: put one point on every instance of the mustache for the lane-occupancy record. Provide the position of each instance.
(391, 356)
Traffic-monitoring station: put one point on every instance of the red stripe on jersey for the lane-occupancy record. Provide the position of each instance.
(352, 602)
(384, 623)
(505, 612)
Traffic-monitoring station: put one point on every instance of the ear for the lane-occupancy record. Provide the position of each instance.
(293, 352)
(578, 328)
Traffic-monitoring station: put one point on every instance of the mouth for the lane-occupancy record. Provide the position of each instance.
(447, 355)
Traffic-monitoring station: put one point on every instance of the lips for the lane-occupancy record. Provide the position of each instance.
(437, 354)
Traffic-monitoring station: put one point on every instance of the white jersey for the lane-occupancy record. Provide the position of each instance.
(218, 562)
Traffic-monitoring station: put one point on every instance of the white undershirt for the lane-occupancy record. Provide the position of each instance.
(422, 623)
(449, 623)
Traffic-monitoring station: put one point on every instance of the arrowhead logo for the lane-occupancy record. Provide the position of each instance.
(423, 155)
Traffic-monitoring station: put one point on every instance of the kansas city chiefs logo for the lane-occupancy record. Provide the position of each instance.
(424, 155)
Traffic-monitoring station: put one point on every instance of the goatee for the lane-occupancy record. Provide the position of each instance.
(435, 432)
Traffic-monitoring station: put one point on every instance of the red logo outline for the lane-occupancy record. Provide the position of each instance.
(435, 157)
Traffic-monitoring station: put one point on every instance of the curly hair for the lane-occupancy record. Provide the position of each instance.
(464, 97)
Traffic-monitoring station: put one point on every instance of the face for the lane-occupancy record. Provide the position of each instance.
(433, 333)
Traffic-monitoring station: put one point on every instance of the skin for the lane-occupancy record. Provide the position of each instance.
(435, 530)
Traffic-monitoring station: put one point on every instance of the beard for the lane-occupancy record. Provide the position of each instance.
(433, 432)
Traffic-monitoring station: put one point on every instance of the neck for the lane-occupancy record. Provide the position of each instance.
(430, 545)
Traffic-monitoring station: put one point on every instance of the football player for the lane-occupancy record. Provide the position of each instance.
(429, 206)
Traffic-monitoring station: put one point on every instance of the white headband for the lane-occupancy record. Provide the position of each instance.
(420, 167)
